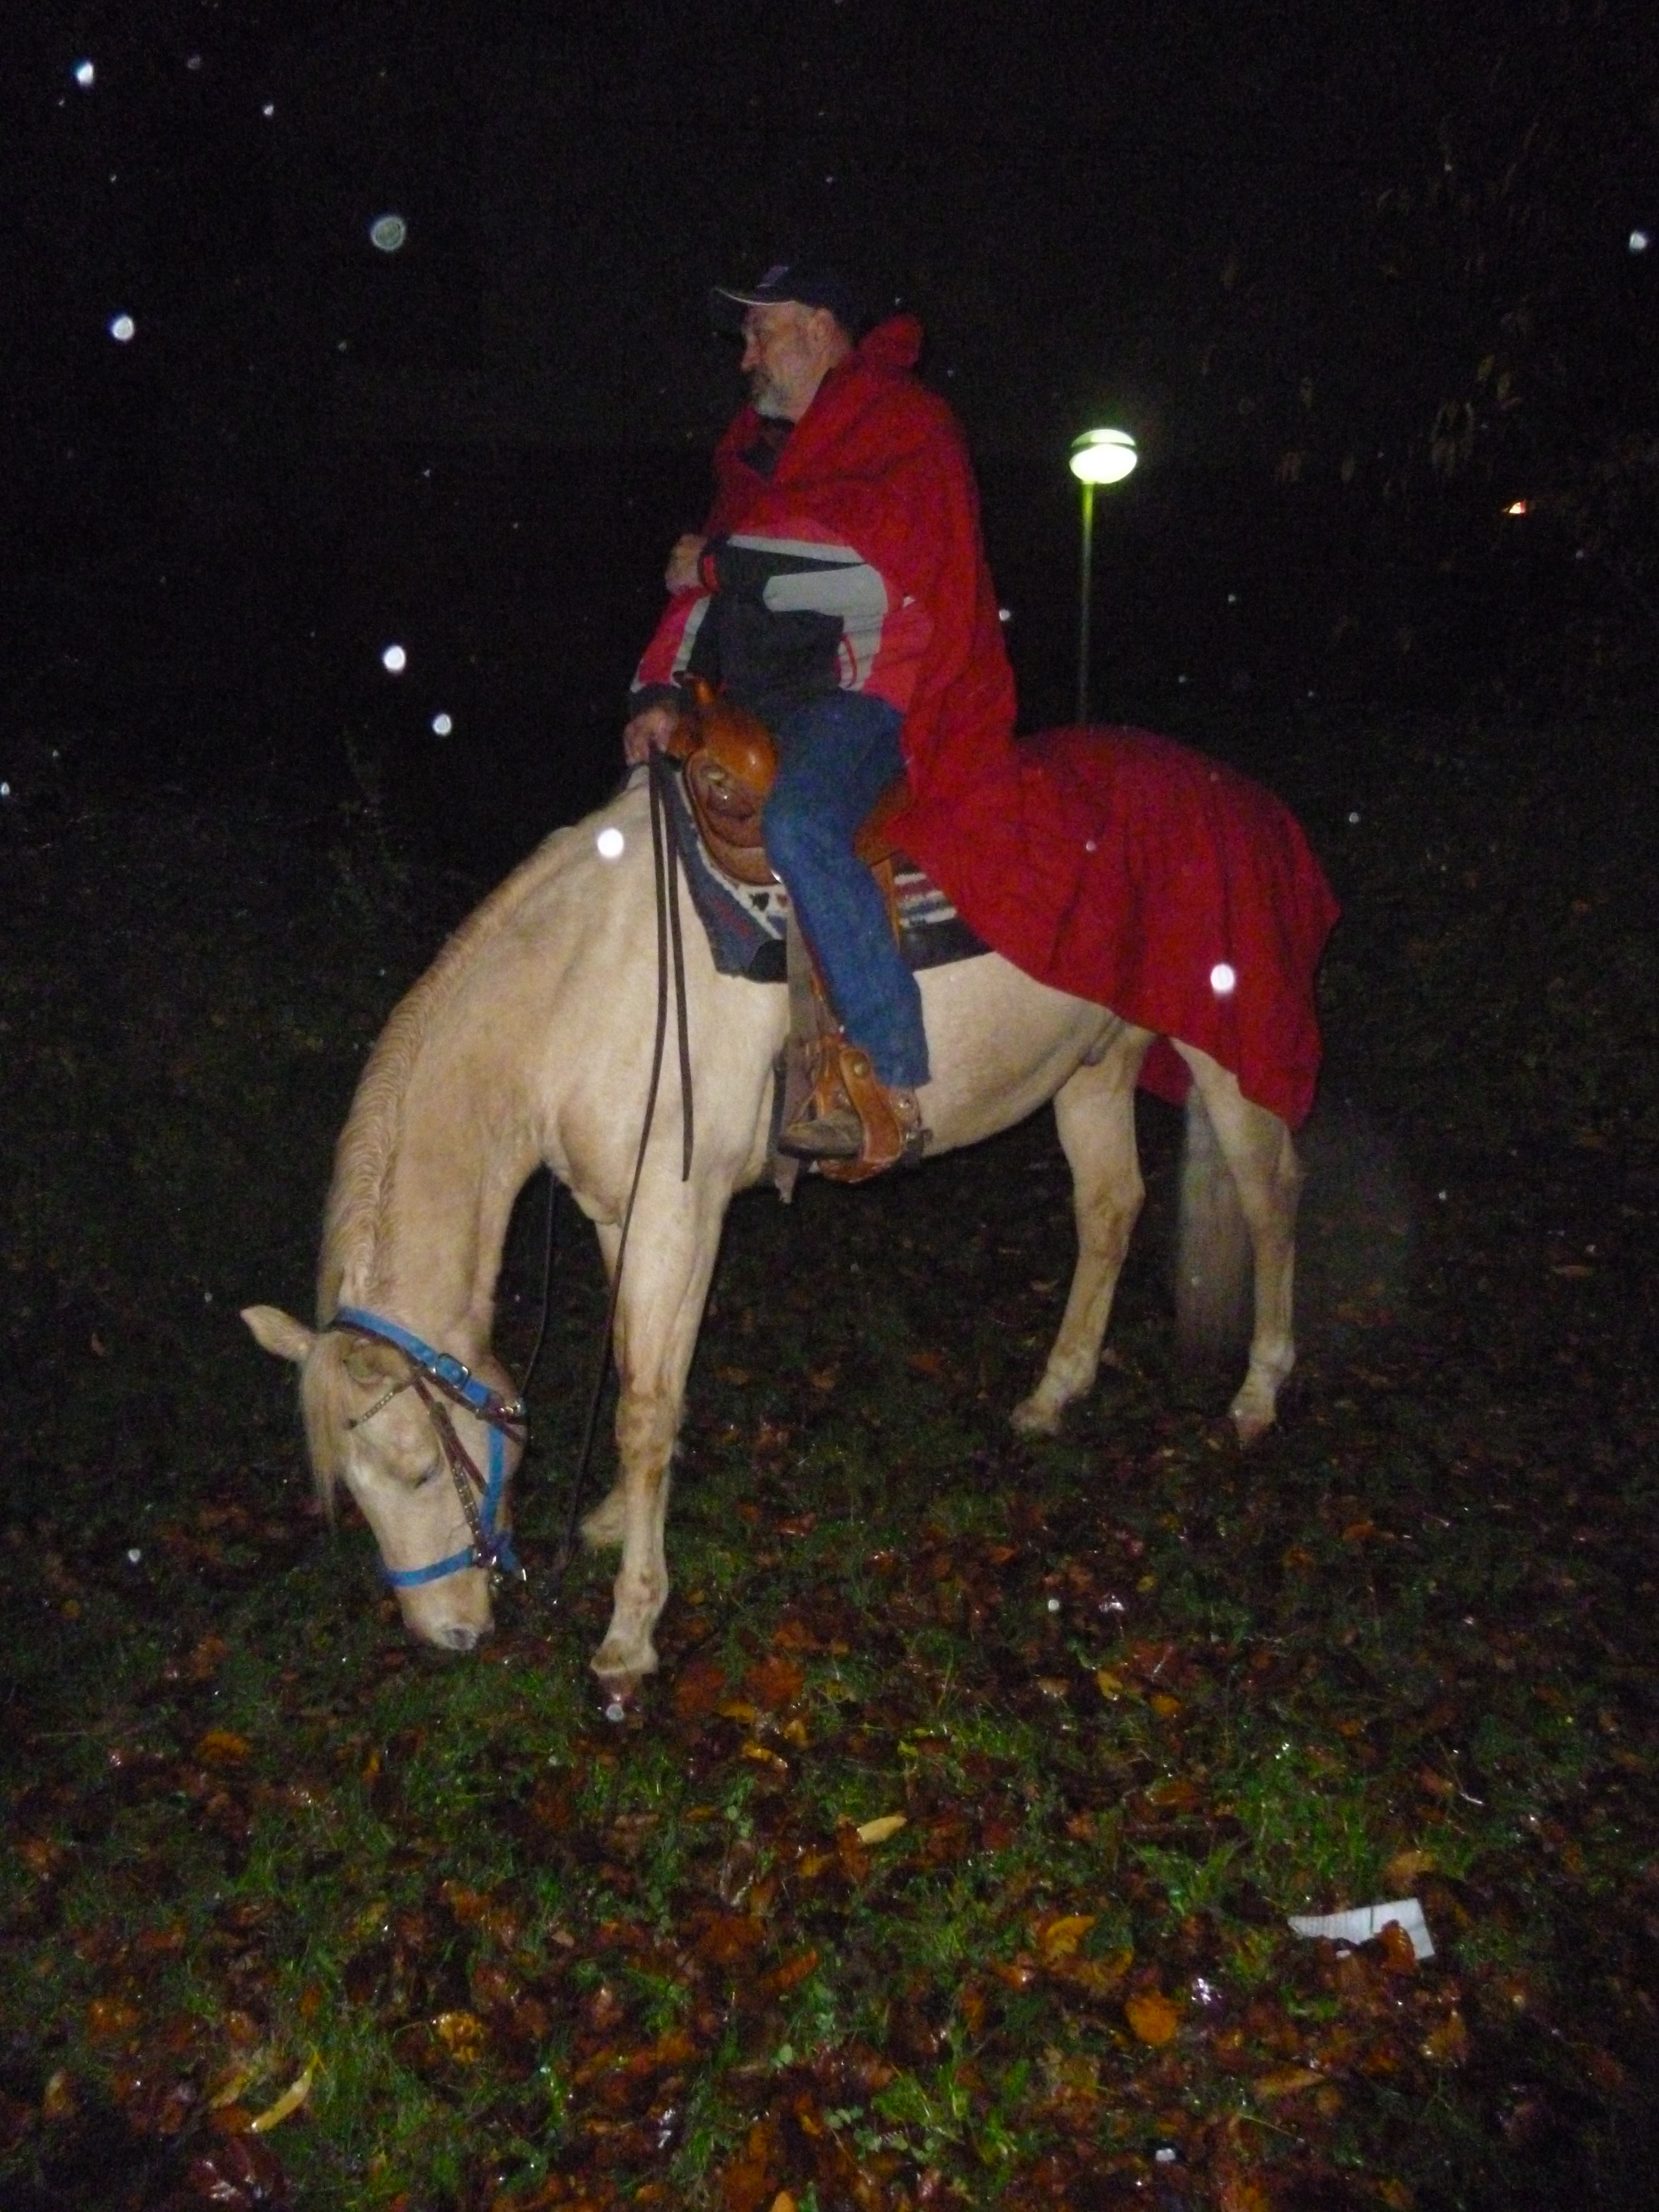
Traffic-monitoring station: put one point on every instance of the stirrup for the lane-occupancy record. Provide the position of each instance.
(891, 1121)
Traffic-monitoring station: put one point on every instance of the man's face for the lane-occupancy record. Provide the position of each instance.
(787, 350)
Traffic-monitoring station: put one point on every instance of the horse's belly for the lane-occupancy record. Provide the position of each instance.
(1000, 1045)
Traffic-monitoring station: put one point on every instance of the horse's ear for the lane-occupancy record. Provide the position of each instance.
(275, 1331)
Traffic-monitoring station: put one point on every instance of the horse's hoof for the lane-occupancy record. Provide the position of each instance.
(1031, 1418)
(616, 1695)
(620, 1674)
(1248, 1427)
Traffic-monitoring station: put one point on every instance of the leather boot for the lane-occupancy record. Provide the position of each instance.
(823, 1133)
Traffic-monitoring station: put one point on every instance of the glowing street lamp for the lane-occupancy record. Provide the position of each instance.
(1098, 457)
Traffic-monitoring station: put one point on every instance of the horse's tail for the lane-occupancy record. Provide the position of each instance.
(1213, 1255)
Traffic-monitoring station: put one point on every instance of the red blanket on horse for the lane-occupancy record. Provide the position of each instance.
(1128, 870)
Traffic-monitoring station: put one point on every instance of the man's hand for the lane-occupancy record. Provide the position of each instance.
(681, 574)
(648, 732)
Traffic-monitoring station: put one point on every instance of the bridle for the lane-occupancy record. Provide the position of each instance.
(435, 1377)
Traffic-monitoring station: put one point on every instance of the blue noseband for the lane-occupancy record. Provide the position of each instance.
(480, 1496)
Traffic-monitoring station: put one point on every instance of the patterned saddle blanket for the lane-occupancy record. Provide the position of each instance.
(745, 925)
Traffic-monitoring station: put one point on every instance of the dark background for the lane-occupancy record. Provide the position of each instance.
(1356, 279)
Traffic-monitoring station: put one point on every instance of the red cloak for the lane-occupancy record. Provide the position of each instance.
(1118, 866)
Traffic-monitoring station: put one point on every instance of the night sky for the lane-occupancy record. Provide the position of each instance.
(1347, 250)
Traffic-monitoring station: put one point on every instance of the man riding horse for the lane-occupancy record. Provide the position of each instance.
(839, 591)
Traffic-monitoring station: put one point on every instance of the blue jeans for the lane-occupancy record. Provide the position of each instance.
(835, 756)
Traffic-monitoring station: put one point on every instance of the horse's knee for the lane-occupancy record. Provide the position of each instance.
(647, 1422)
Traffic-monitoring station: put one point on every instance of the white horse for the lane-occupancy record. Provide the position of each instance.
(529, 1040)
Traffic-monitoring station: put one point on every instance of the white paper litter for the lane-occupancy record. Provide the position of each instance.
(1362, 1922)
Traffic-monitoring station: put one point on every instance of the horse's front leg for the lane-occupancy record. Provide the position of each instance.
(671, 1257)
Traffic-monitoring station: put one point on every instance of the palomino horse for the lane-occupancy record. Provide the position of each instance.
(529, 1040)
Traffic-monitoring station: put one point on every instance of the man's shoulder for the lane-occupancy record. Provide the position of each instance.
(897, 401)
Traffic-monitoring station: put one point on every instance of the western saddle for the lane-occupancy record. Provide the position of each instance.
(729, 760)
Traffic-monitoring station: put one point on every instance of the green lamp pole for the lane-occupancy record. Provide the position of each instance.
(1098, 457)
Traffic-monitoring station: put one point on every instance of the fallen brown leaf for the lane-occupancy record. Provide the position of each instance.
(1287, 2081)
(223, 1748)
(1448, 2043)
(698, 1690)
(1057, 1937)
(1152, 2017)
(1403, 1870)
(775, 1681)
(878, 1831)
(462, 2034)
(110, 2016)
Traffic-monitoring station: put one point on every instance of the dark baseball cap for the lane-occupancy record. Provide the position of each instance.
(809, 283)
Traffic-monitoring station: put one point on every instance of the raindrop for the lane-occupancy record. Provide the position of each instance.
(610, 842)
(5, 791)
(122, 328)
(134, 1552)
(441, 725)
(194, 62)
(388, 232)
(1223, 979)
(1054, 1605)
(1639, 240)
(269, 109)
(86, 76)
(616, 1710)
(1354, 817)
(394, 660)
(1005, 614)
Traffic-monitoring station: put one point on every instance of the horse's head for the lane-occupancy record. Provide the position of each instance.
(374, 1425)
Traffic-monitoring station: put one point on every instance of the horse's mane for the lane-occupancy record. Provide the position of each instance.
(353, 1215)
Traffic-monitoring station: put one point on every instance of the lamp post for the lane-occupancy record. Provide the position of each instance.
(1098, 457)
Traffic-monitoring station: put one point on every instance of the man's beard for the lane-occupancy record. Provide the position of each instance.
(765, 397)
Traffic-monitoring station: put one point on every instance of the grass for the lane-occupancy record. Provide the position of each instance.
(1137, 1698)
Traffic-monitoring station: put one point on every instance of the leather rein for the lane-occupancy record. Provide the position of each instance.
(439, 1379)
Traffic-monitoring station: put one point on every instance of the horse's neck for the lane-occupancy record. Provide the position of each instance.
(442, 1218)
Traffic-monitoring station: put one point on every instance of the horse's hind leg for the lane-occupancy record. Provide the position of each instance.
(1095, 1113)
(1255, 1150)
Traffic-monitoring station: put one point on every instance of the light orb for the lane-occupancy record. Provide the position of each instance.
(610, 842)
(85, 76)
(442, 725)
(388, 232)
(394, 660)
(1224, 979)
(122, 329)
